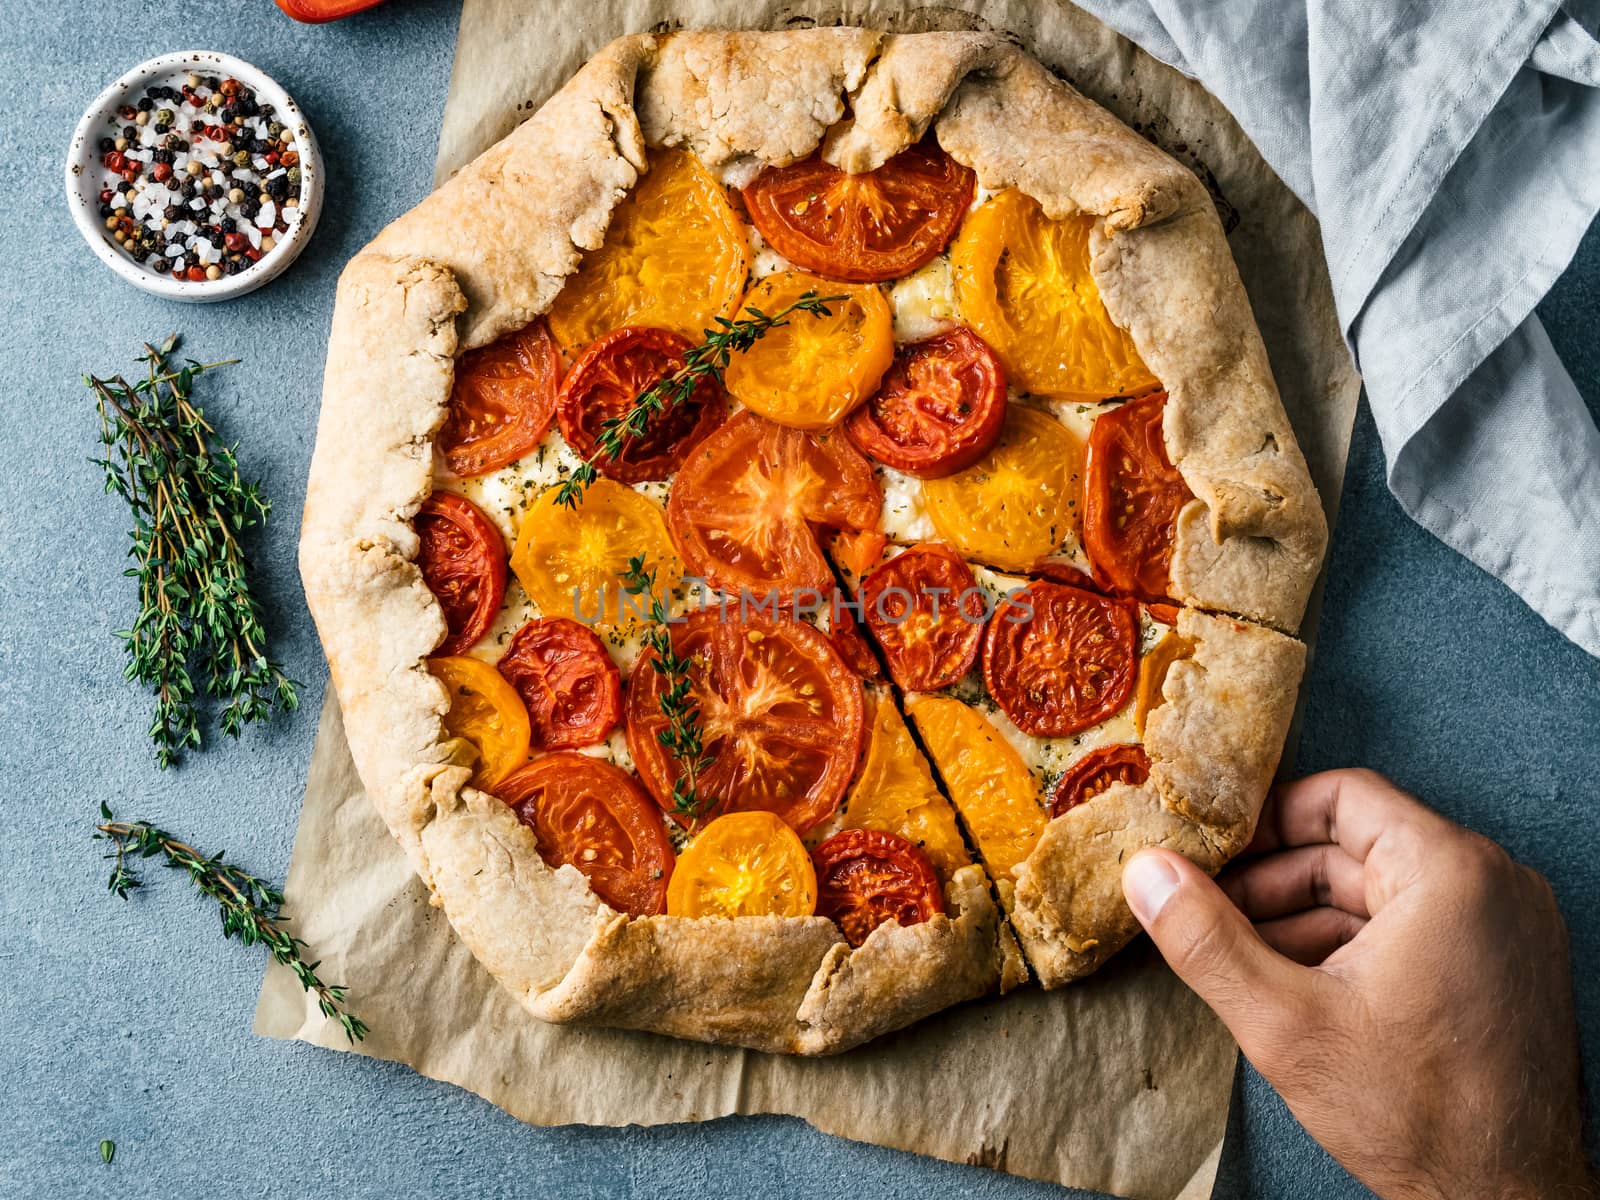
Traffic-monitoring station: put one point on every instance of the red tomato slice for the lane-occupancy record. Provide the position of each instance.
(571, 687)
(781, 718)
(1095, 772)
(315, 12)
(502, 402)
(744, 509)
(603, 386)
(1058, 659)
(1060, 572)
(864, 228)
(1132, 495)
(866, 877)
(591, 815)
(463, 561)
(926, 610)
(940, 407)
(845, 634)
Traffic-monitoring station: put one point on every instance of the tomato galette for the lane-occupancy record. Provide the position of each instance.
(790, 519)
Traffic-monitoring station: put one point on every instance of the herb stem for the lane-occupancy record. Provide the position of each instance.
(708, 360)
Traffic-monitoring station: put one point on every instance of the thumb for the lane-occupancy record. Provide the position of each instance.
(1213, 948)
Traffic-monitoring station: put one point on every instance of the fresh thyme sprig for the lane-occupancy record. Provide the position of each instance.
(251, 908)
(707, 360)
(190, 507)
(683, 736)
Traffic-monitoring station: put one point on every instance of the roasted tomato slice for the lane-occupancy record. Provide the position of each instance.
(1016, 504)
(926, 610)
(571, 561)
(1058, 659)
(1132, 495)
(866, 877)
(991, 787)
(675, 256)
(744, 508)
(780, 718)
(1095, 772)
(811, 370)
(869, 227)
(502, 401)
(746, 864)
(939, 408)
(591, 815)
(566, 679)
(1023, 281)
(603, 386)
(845, 634)
(463, 561)
(486, 712)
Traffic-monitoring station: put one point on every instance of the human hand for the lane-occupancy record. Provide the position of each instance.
(1405, 988)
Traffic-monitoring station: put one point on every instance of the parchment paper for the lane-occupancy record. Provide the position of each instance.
(1120, 1083)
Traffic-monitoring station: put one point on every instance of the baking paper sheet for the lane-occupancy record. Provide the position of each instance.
(1121, 1083)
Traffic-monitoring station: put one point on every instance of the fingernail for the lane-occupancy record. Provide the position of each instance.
(1148, 881)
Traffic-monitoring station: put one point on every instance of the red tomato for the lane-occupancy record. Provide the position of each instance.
(925, 609)
(569, 683)
(866, 877)
(864, 228)
(315, 12)
(463, 561)
(591, 815)
(1132, 495)
(502, 402)
(1095, 772)
(781, 718)
(1060, 572)
(744, 509)
(940, 407)
(1167, 614)
(613, 372)
(1058, 659)
(847, 639)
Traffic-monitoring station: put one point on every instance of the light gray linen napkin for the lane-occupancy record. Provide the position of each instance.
(1451, 151)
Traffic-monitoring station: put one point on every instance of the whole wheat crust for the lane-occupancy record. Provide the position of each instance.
(488, 252)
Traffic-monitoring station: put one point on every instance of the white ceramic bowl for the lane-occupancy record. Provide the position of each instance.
(84, 177)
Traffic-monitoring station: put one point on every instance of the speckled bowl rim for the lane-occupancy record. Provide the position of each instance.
(83, 189)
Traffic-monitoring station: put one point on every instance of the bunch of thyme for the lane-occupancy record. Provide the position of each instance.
(707, 360)
(251, 908)
(683, 735)
(190, 507)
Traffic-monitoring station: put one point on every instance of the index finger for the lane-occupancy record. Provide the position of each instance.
(1351, 808)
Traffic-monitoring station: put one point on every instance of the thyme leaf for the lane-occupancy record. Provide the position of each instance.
(190, 506)
(709, 359)
(251, 908)
(683, 735)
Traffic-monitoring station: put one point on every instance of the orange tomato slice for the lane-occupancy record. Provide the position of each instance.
(810, 372)
(571, 561)
(894, 792)
(991, 786)
(1153, 667)
(744, 864)
(486, 712)
(1019, 502)
(675, 257)
(1023, 282)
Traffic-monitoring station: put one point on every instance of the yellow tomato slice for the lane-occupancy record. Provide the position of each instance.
(675, 257)
(812, 371)
(1153, 668)
(571, 561)
(1023, 282)
(485, 711)
(991, 786)
(744, 864)
(1019, 502)
(894, 792)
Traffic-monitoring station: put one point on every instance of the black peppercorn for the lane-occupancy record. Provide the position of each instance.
(197, 126)
(161, 156)
(249, 208)
(188, 191)
(146, 104)
(229, 225)
(278, 187)
(173, 213)
(107, 145)
(106, 210)
(131, 132)
(173, 183)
